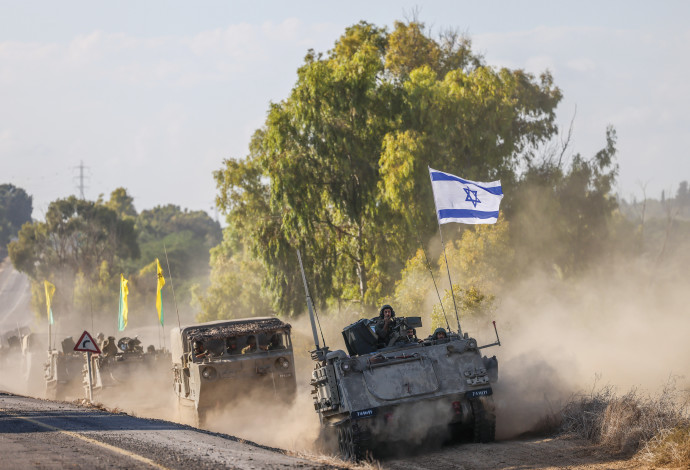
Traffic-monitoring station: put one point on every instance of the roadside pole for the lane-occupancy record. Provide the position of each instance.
(88, 366)
(87, 345)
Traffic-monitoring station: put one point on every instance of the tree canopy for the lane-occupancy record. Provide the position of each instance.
(83, 246)
(340, 166)
(15, 210)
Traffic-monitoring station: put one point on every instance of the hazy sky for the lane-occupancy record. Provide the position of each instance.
(153, 95)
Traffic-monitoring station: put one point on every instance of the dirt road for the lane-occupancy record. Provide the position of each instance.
(43, 434)
(516, 455)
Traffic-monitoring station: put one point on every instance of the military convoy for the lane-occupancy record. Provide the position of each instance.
(383, 389)
(214, 363)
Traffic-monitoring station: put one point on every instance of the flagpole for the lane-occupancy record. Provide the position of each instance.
(452, 293)
(172, 286)
(428, 265)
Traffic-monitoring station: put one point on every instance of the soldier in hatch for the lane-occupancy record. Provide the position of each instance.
(439, 334)
(385, 325)
(109, 347)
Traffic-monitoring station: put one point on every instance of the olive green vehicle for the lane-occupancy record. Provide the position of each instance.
(406, 391)
(216, 363)
(401, 390)
(126, 367)
(63, 372)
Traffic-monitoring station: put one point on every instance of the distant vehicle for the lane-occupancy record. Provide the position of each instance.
(63, 372)
(125, 367)
(214, 363)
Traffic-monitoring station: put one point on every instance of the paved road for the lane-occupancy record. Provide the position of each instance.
(46, 435)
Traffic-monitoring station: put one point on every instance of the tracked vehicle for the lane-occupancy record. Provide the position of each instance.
(402, 391)
(63, 372)
(125, 366)
(216, 363)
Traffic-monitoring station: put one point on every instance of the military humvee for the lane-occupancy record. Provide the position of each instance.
(63, 372)
(406, 390)
(215, 362)
(124, 367)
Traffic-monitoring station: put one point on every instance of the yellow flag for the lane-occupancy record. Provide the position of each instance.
(159, 293)
(124, 292)
(50, 290)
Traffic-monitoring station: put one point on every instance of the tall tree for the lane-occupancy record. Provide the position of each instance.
(15, 210)
(78, 238)
(340, 166)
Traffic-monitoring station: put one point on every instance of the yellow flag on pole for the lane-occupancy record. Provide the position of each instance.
(124, 292)
(50, 291)
(159, 293)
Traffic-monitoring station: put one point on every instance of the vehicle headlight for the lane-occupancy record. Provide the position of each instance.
(345, 366)
(282, 362)
(209, 373)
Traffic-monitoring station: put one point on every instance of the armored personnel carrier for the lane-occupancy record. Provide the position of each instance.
(125, 366)
(63, 372)
(401, 389)
(216, 362)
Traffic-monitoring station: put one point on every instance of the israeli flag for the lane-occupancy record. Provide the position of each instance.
(464, 201)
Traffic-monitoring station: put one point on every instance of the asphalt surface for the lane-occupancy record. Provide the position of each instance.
(44, 435)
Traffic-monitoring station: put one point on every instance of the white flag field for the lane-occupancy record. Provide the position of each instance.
(464, 201)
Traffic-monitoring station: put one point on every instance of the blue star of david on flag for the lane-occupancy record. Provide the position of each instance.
(474, 201)
(464, 201)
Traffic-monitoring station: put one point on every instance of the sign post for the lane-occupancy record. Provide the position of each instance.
(88, 345)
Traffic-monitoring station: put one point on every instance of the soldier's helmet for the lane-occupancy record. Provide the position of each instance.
(384, 308)
(439, 330)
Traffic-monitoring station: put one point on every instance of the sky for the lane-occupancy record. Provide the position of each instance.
(154, 95)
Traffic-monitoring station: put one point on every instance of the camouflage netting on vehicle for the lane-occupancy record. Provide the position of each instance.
(266, 325)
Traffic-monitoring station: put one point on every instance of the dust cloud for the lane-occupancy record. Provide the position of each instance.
(623, 324)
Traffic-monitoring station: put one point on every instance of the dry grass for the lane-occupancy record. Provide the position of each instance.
(656, 427)
(669, 447)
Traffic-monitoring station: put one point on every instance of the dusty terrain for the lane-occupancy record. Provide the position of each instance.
(41, 434)
(518, 454)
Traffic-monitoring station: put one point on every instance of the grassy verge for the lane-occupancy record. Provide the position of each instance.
(655, 428)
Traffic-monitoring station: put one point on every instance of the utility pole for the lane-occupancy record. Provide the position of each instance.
(81, 176)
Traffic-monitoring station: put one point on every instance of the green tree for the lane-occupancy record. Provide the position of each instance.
(122, 203)
(188, 236)
(340, 167)
(15, 210)
(79, 240)
(562, 209)
(235, 287)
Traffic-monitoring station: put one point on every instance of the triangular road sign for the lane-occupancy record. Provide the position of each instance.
(87, 344)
